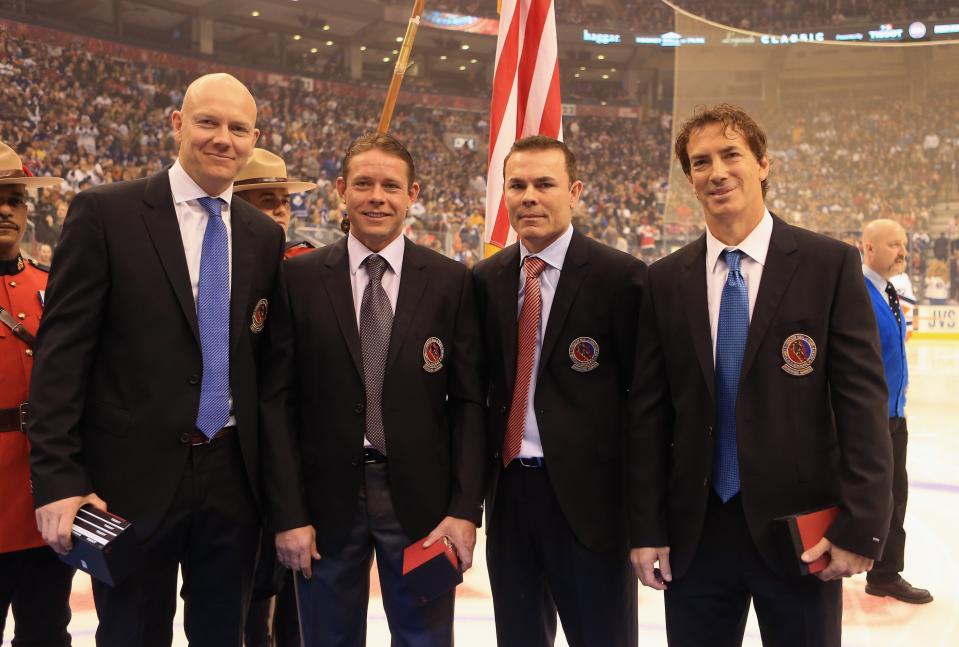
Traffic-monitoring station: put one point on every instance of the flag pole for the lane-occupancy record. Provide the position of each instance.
(399, 70)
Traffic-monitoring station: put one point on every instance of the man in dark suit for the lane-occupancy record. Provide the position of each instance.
(559, 315)
(374, 400)
(144, 390)
(758, 393)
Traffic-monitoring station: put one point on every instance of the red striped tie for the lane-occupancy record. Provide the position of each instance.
(527, 334)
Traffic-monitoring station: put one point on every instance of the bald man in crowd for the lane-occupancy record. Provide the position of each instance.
(884, 256)
(144, 389)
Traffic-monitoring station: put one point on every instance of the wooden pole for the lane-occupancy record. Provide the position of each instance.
(399, 70)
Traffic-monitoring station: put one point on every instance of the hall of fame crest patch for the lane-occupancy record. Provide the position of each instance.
(433, 353)
(584, 353)
(799, 352)
(259, 315)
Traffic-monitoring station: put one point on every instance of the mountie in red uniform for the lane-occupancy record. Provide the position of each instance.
(21, 296)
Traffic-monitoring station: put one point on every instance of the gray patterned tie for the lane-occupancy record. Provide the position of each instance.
(376, 322)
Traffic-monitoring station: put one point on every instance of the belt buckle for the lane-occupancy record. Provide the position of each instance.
(532, 462)
(202, 443)
(24, 412)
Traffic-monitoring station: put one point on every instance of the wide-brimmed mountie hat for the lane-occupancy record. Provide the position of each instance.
(12, 171)
(267, 171)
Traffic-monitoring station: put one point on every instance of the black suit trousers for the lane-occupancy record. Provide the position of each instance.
(710, 603)
(212, 532)
(37, 585)
(538, 567)
(893, 559)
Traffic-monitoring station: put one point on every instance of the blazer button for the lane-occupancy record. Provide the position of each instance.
(496, 454)
(706, 482)
(359, 409)
(185, 438)
(355, 462)
(503, 409)
(709, 430)
(29, 352)
(194, 380)
(21, 316)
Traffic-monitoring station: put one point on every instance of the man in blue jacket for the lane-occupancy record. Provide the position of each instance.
(884, 256)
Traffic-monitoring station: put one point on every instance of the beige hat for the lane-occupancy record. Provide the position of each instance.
(12, 171)
(267, 171)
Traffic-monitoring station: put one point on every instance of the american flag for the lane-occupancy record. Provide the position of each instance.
(526, 98)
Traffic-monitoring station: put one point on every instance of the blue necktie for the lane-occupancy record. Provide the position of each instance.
(213, 317)
(730, 345)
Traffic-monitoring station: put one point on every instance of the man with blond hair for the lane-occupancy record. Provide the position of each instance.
(145, 383)
(884, 257)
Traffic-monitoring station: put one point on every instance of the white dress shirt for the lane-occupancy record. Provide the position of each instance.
(360, 278)
(754, 247)
(875, 278)
(192, 219)
(553, 256)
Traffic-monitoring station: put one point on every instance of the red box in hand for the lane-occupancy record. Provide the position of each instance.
(431, 572)
(806, 529)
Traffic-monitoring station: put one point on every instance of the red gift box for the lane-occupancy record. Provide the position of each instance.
(431, 572)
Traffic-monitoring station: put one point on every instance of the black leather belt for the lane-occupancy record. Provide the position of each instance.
(14, 418)
(197, 437)
(536, 462)
(372, 455)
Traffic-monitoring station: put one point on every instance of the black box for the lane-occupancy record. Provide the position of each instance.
(103, 545)
(431, 572)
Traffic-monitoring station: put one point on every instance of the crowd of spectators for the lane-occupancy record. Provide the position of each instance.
(95, 119)
(758, 15)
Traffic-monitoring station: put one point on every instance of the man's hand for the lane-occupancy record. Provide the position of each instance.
(296, 549)
(463, 535)
(55, 520)
(643, 560)
(842, 563)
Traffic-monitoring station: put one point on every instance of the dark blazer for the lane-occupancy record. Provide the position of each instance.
(580, 414)
(116, 383)
(314, 400)
(805, 441)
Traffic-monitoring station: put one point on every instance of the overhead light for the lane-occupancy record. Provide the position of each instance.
(576, 76)
(362, 48)
(582, 68)
(464, 47)
(472, 60)
(462, 67)
(398, 39)
(396, 51)
(602, 103)
(606, 76)
(297, 37)
(326, 27)
(444, 57)
(313, 50)
(612, 69)
(255, 13)
(601, 57)
(386, 59)
(329, 43)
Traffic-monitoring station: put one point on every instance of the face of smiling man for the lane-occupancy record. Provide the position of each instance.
(377, 193)
(215, 131)
(13, 219)
(539, 197)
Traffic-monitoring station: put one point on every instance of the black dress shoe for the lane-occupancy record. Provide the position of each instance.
(899, 589)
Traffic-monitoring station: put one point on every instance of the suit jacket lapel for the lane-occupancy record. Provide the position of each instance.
(159, 215)
(781, 264)
(337, 282)
(697, 310)
(244, 256)
(413, 280)
(570, 278)
(504, 297)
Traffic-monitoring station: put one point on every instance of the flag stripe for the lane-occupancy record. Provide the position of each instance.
(525, 98)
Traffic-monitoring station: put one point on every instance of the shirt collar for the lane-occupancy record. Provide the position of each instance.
(392, 253)
(555, 252)
(875, 278)
(12, 266)
(755, 245)
(184, 188)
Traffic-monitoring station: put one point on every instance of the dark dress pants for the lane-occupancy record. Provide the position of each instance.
(892, 563)
(212, 532)
(333, 603)
(538, 568)
(37, 585)
(710, 603)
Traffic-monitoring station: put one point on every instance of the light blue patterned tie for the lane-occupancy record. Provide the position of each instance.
(730, 345)
(213, 317)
